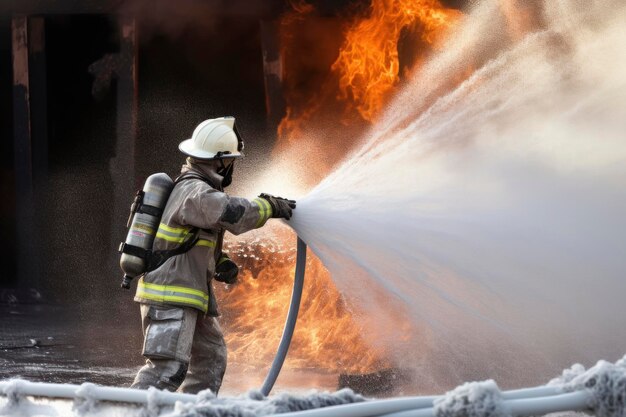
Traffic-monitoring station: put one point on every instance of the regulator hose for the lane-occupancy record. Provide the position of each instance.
(290, 324)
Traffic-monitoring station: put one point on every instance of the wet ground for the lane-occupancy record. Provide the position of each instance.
(54, 343)
(51, 343)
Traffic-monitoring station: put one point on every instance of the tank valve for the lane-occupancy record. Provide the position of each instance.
(126, 281)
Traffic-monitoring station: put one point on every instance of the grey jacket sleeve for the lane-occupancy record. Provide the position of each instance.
(210, 209)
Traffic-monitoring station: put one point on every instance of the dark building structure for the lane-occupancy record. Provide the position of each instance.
(76, 143)
(97, 94)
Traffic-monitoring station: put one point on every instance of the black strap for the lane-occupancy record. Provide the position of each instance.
(159, 257)
(134, 250)
(138, 206)
(151, 210)
(193, 176)
(154, 259)
(218, 245)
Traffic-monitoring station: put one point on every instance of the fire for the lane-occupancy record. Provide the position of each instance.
(331, 73)
(254, 310)
(334, 75)
(368, 64)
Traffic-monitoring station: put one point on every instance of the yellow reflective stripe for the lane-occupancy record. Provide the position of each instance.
(173, 288)
(265, 211)
(223, 259)
(268, 207)
(177, 230)
(179, 235)
(268, 212)
(170, 238)
(207, 243)
(261, 211)
(174, 294)
(173, 298)
(172, 234)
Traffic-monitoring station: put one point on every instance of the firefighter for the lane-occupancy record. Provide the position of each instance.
(183, 343)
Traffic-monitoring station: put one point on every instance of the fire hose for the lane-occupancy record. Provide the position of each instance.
(290, 323)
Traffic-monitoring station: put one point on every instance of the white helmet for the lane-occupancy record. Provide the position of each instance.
(214, 139)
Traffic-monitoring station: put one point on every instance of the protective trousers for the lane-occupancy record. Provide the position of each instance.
(184, 350)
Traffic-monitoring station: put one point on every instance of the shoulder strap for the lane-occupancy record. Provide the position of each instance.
(158, 258)
(155, 259)
(193, 176)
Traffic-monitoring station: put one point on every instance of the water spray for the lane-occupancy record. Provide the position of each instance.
(488, 213)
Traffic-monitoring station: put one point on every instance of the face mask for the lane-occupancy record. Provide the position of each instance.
(226, 171)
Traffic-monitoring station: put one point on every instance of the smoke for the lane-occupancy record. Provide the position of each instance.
(186, 18)
(490, 216)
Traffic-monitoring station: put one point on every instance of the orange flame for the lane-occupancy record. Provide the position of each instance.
(254, 312)
(328, 72)
(361, 76)
(336, 74)
(368, 64)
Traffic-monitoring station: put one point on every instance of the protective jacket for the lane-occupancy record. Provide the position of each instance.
(197, 206)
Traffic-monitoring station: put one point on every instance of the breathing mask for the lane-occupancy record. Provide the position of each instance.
(226, 170)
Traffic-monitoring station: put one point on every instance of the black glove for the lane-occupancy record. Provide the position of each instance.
(226, 270)
(281, 207)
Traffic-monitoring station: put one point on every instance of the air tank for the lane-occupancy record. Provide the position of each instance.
(144, 219)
